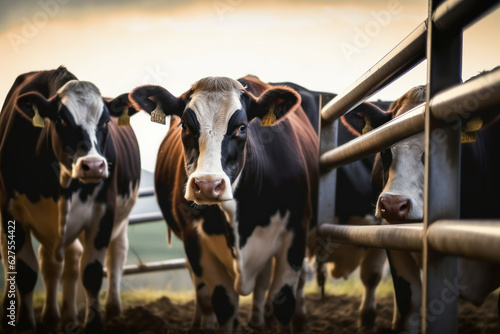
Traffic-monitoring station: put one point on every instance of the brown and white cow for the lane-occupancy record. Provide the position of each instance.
(238, 194)
(77, 171)
(399, 175)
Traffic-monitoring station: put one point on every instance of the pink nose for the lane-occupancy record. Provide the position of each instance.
(210, 190)
(93, 168)
(394, 207)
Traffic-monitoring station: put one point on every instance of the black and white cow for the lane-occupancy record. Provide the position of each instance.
(238, 194)
(76, 172)
(399, 174)
(355, 200)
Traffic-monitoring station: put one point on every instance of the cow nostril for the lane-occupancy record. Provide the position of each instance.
(196, 187)
(85, 167)
(220, 187)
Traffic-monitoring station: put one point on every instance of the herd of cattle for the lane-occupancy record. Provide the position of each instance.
(236, 180)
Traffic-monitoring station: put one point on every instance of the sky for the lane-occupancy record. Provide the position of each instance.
(324, 45)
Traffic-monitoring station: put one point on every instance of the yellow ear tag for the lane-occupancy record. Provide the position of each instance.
(124, 118)
(469, 134)
(37, 119)
(368, 125)
(268, 118)
(158, 116)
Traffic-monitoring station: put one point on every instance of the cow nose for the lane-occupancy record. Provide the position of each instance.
(209, 189)
(93, 168)
(394, 207)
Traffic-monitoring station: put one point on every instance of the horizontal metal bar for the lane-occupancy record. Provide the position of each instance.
(406, 237)
(461, 100)
(473, 96)
(450, 16)
(407, 54)
(145, 217)
(478, 240)
(149, 267)
(147, 191)
(401, 127)
(458, 14)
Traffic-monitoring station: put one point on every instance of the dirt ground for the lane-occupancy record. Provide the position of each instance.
(334, 314)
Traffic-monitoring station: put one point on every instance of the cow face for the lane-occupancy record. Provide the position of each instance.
(214, 115)
(77, 125)
(401, 169)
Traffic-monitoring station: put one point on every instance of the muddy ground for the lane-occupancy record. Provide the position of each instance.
(334, 314)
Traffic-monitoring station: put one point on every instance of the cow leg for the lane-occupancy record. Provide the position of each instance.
(91, 269)
(204, 316)
(407, 290)
(371, 270)
(262, 281)
(26, 276)
(69, 311)
(300, 317)
(51, 270)
(282, 293)
(115, 260)
(223, 297)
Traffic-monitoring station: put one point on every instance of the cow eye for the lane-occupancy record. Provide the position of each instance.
(62, 122)
(242, 129)
(183, 126)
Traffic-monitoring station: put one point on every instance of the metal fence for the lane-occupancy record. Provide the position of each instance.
(441, 237)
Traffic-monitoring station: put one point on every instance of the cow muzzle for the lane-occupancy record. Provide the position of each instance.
(91, 170)
(394, 207)
(208, 189)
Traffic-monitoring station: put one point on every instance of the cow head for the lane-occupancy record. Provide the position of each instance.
(76, 120)
(214, 114)
(398, 171)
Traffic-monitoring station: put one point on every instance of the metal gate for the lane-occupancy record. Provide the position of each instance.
(441, 237)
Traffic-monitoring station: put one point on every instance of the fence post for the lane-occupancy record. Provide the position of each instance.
(442, 179)
(328, 140)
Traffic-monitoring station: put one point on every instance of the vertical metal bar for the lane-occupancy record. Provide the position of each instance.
(328, 139)
(442, 180)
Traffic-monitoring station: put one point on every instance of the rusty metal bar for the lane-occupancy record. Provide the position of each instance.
(478, 240)
(407, 237)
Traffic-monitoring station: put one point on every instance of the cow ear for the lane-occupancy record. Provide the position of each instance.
(279, 100)
(150, 97)
(364, 118)
(120, 106)
(30, 104)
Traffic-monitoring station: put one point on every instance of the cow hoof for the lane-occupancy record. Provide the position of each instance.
(366, 323)
(113, 310)
(299, 323)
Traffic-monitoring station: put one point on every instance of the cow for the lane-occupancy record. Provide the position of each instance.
(238, 194)
(67, 172)
(399, 174)
(354, 203)
(349, 180)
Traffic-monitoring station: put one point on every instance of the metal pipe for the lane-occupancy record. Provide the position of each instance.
(407, 54)
(448, 17)
(147, 191)
(149, 267)
(401, 127)
(471, 239)
(145, 217)
(462, 100)
(407, 237)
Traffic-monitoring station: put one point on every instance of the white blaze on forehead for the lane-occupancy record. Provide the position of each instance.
(83, 100)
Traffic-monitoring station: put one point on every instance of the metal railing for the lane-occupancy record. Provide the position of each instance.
(439, 40)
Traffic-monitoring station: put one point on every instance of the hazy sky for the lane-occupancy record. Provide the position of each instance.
(118, 45)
